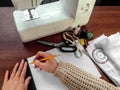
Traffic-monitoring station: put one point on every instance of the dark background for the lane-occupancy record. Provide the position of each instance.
(5, 3)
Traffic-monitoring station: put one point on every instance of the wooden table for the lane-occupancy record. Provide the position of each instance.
(104, 20)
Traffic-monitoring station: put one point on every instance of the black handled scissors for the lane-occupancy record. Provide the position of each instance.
(61, 46)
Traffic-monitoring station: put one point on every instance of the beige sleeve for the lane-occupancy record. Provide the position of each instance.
(77, 79)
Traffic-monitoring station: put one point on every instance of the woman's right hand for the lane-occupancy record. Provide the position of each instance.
(49, 65)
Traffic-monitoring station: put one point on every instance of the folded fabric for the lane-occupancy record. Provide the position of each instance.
(105, 52)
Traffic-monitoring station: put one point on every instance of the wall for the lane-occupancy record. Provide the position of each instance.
(98, 2)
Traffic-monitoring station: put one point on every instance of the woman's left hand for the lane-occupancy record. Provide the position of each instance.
(17, 79)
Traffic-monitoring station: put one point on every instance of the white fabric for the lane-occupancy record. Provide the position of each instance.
(111, 47)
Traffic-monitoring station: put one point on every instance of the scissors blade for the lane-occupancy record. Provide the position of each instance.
(46, 43)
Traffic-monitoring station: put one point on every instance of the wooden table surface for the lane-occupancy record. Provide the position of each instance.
(104, 20)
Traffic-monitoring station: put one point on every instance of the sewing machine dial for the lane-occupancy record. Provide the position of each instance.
(100, 56)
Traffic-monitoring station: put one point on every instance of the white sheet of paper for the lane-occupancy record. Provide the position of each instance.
(47, 81)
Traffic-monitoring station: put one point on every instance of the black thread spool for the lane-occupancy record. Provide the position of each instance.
(83, 34)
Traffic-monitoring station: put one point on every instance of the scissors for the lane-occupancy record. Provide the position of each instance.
(61, 46)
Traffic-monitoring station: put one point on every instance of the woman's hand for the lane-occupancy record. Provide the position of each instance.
(17, 79)
(49, 65)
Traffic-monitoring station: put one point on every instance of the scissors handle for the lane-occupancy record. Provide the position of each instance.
(68, 48)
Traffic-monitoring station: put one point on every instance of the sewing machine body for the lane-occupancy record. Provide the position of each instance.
(53, 18)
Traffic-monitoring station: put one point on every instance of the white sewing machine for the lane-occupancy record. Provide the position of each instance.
(51, 18)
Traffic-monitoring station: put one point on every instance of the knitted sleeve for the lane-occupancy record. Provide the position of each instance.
(77, 79)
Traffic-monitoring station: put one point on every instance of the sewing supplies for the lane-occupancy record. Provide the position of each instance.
(61, 46)
(89, 35)
(77, 29)
(85, 34)
(70, 37)
(83, 42)
(99, 56)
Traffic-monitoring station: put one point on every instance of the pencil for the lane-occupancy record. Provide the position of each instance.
(46, 58)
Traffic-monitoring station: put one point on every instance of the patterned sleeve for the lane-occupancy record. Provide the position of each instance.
(77, 79)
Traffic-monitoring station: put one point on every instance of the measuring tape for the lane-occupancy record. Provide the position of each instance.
(99, 56)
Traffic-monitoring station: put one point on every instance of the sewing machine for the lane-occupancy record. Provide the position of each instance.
(50, 18)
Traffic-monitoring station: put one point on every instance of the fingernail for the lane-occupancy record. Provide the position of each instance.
(7, 71)
(16, 63)
(22, 61)
(35, 66)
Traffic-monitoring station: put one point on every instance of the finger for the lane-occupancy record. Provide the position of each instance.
(6, 76)
(39, 64)
(40, 55)
(27, 81)
(14, 70)
(20, 68)
(23, 73)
